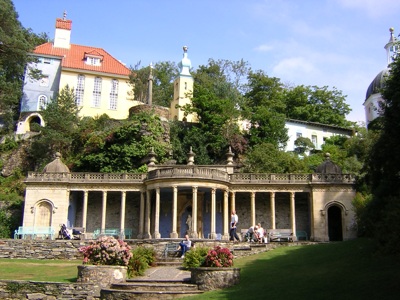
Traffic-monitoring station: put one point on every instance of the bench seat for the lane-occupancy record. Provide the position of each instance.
(41, 231)
(112, 232)
(279, 235)
(171, 249)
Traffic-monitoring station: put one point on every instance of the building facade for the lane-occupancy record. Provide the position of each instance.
(100, 81)
(172, 200)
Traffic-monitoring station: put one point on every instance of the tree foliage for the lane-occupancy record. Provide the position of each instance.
(384, 166)
(317, 104)
(61, 124)
(16, 43)
(265, 109)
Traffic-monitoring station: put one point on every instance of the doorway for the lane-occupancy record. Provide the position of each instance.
(335, 229)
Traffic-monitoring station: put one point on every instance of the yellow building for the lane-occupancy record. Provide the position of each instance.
(99, 80)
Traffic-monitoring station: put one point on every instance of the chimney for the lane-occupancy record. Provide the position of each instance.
(63, 32)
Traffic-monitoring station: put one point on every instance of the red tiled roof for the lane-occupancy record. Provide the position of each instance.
(63, 24)
(74, 58)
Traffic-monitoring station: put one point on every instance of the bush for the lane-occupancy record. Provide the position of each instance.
(141, 259)
(195, 257)
(107, 251)
(219, 257)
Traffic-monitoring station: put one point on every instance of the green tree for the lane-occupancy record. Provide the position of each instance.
(124, 148)
(16, 43)
(61, 124)
(317, 104)
(265, 109)
(163, 74)
(384, 166)
(303, 145)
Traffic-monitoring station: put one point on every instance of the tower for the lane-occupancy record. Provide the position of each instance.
(183, 91)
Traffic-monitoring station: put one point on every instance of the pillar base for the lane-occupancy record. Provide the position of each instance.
(173, 235)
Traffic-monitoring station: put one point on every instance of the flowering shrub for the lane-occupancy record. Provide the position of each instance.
(219, 257)
(106, 250)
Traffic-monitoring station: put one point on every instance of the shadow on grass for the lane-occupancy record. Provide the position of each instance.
(343, 270)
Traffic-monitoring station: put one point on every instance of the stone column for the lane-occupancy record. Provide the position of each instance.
(141, 216)
(146, 233)
(103, 212)
(226, 220)
(253, 208)
(273, 222)
(157, 234)
(293, 215)
(233, 201)
(194, 212)
(174, 233)
(213, 212)
(122, 221)
(85, 205)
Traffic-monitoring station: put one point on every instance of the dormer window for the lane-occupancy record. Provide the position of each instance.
(93, 61)
(93, 58)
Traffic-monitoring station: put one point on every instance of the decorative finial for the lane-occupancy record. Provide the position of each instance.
(185, 49)
(65, 15)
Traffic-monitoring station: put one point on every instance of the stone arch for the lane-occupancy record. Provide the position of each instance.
(43, 213)
(335, 220)
(25, 125)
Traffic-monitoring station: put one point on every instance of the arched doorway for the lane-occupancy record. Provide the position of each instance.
(335, 229)
(43, 214)
(34, 120)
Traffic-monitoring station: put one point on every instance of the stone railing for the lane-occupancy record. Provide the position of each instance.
(291, 178)
(86, 177)
(189, 172)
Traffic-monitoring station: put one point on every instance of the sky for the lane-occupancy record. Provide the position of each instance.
(334, 43)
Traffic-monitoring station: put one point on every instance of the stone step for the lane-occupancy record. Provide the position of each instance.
(158, 281)
(113, 294)
(175, 262)
(152, 286)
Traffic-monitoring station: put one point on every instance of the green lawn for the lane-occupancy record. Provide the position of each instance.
(39, 270)
(343, 270)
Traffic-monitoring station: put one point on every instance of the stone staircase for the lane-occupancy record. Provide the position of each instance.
(168, 281)
(171, 281)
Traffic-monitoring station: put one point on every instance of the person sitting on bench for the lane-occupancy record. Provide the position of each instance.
(185, 245)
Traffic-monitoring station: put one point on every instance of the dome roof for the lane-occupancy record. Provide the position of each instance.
(328, 167)
(56, 166)
(378, 83)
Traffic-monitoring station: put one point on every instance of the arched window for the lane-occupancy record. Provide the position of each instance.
(114, 94)
(42, 102)
(97, 92)
(80, 89)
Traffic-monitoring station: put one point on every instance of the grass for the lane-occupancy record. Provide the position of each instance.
(343, 270)
(39, 270)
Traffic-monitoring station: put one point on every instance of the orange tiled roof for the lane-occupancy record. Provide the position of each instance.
(74, 58)
(63, 24)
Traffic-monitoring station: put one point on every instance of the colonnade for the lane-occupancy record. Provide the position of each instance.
(145, 218)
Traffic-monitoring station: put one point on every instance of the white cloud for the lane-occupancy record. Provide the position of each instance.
(263, 48)
(293, 65)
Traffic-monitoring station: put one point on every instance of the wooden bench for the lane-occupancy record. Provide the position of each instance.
(112, 232)
(278, 235)
(171, 248)
(301, 234)
(40, 231)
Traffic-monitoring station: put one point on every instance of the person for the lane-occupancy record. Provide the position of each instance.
(252, 234)
(185, 245)
(261, 234)
(234, 222)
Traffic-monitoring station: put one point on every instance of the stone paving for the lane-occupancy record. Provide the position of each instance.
(166, 273)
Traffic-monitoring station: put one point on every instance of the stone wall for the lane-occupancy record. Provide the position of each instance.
(16, 289)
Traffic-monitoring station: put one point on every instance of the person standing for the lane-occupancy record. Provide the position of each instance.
(232, 232)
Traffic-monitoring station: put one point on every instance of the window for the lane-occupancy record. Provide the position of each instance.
(45, 60)
(93, 61)
(299, 134)
(97, 92)
(114, 94)
(314, 140)
(80, 90)
(42, 103)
